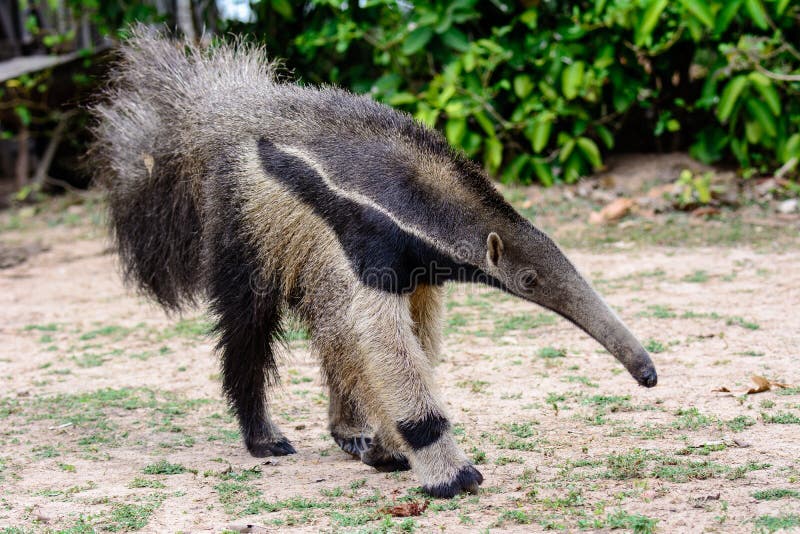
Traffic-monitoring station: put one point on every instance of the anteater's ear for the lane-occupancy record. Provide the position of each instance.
(494, 249)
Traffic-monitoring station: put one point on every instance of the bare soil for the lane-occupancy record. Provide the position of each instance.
(111, 416)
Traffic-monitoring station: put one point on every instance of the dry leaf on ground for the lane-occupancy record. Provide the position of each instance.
(613, 211)
(406, 509)
(762, 385)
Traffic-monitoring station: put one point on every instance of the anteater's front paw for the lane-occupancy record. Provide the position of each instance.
(383, 459)
(263, 447)
(467, 479)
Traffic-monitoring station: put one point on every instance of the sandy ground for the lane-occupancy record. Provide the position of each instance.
(99, 386)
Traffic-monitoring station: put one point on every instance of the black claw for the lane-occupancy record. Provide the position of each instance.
(466, 480)
(261, 448)
(353, 445)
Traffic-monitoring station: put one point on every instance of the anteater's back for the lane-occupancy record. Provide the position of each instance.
(175, 111)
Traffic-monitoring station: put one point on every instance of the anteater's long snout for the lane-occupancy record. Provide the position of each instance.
(643, 369)
(579, 302)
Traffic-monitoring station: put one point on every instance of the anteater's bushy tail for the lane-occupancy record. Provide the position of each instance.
(151, 154)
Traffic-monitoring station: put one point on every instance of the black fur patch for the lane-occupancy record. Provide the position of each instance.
(383, 255)
(247, 307)
(157, 232)
(467, 479)
(422, 433)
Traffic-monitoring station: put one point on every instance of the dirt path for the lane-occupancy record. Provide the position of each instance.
(111, 416)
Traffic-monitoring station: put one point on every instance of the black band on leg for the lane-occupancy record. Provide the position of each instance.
(423, 432)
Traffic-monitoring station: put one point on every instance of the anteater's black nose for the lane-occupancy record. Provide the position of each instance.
(649, 378)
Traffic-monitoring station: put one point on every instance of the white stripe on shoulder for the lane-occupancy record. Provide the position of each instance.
(360, 198)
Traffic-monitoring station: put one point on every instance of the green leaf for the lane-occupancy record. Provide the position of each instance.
(523, 85)
(566, 150)
(485, 123)
(513, 170)
(700, 9)
(24, 115)
(757, 13)
(454, 130)
(781, 6)
(283, 8)
(761, 113)
(753, 131)
(730, 95)
(649, 21)
(455, 39)
(605, 136)
(540, 134)
(726, 15)
(572, 79)
(573, 169)
(792, 148)
(544, 173)
(591, 151)
(493, 153)
(416, 40)
(767, 91)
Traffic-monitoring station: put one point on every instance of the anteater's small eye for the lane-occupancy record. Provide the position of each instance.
(529, 280)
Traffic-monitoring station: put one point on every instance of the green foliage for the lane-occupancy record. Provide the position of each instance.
(537, 91)
(540, 93)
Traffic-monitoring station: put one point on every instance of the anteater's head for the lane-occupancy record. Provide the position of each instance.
(530, 265)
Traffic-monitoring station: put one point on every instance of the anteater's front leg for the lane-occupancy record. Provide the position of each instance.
(398, 374)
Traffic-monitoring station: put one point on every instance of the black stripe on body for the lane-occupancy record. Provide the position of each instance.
(383, 255)
(423, 432)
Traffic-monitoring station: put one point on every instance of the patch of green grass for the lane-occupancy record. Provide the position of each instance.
(638, 524)
(140, 482)
(739, 321)
(573, 379)
(788, 391)
(163, 467)
(521, 430)
(773, 523)
(551, 352)
(781, 418)
(697, 277)
(126, 517)
(475, 386)
(691, 419)
(117, 332)
(773, 494)
(455, 321)
(675, 470)
(654, 346)
(505, 460)
(612, 403)
(195, 328)
(658, 311)
(521, 322)
(88, 360)
(49, 327)
(627, 465)
(741, 470)
(520, 517)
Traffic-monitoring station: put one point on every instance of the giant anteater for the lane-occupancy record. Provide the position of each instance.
(264, 197)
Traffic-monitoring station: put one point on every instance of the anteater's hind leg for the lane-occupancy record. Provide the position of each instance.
(350, 430)
(248, 311)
